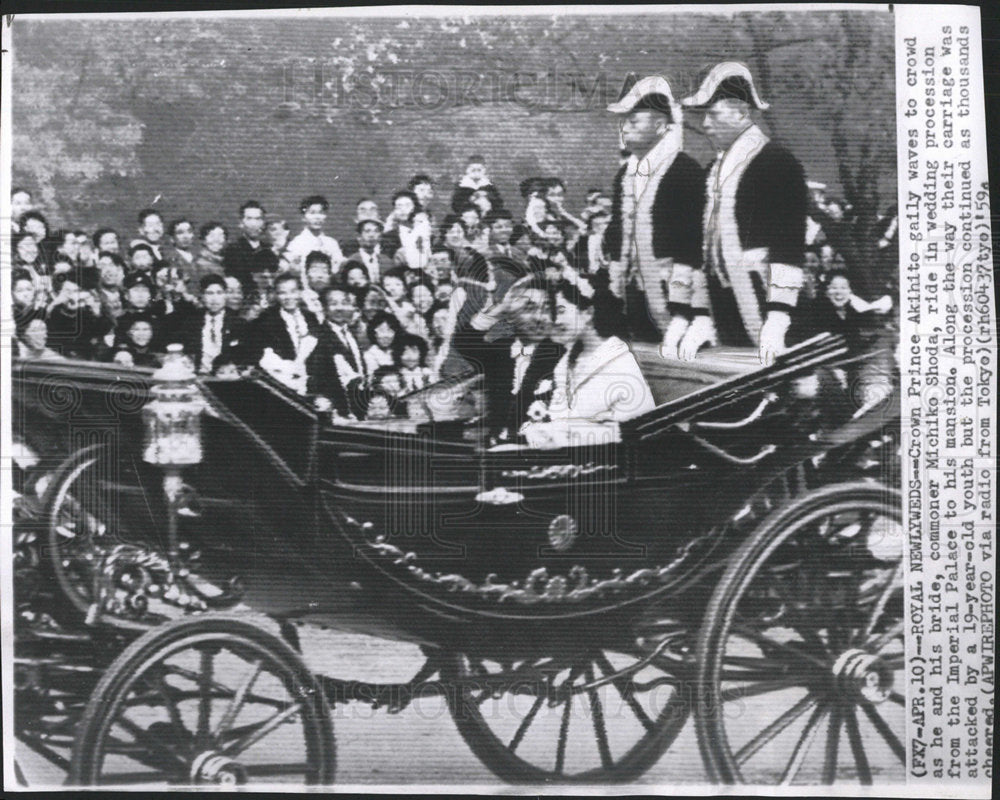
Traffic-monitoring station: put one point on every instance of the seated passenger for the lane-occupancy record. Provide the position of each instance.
(509, 343)
(598, 382)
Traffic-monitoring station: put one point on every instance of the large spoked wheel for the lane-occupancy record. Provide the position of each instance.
(800, 657)
(86, 520)
(209, 700)
(590, 717)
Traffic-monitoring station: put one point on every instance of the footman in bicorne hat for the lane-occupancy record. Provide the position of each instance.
(754, 220)
(654, 238)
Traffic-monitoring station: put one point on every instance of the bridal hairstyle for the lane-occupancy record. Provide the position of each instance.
(588, 291)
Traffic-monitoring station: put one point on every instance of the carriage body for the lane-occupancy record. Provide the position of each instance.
(452, 543)
(760, 495)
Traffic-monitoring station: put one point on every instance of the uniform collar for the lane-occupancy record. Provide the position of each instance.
(663, 152)
(750, 141)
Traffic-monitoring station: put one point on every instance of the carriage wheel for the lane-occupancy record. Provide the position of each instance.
(800, 656)
(84, 520)
(213, 699)
(554, 729)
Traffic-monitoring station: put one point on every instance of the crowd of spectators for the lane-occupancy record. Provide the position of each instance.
(358, 322)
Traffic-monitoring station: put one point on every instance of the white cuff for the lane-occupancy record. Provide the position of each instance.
(680, 285)
(699, 290)
(784, 284)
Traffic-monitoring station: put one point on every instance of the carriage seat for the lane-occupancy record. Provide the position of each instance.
(670, 379)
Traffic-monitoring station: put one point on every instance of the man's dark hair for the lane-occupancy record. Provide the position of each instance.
(20, 190)
(476, 159)
(318, 255)
(336, 287)
(172, 227)
(417, 179)
(497, 214)
(20, 274)
(148, 212)
(115, 258)
(314, 200)
(96, 238)
(251, 204)
(141, 246)
(211, 280)
(285, 277)
(361, 224)
(210, 226)
(470, 207)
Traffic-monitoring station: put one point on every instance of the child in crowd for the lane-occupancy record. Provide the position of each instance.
(410, 358)
(382, 331)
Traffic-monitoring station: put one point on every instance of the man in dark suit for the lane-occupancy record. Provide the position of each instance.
(517, 368)
(213, 336)
(369, 254)
(337, 367)
(248, 255)
(285, 328)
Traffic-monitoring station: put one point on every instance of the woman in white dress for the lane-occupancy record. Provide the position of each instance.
(597, 383)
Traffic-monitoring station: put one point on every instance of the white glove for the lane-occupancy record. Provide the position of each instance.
(700, 332)
(772, 336)
(675, 332)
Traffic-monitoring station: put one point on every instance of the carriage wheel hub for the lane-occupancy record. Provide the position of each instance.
(214, 768)
(863, 676)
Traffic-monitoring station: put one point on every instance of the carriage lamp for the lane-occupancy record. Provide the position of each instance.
(173, 417)
(172, 422)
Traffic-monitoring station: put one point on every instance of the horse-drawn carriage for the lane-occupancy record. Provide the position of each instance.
(736, 556)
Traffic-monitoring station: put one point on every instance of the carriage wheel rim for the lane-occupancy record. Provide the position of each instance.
(210, 760)
(852, 679)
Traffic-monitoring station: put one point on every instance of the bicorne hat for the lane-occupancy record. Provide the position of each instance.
(651, 93)
(729, 79)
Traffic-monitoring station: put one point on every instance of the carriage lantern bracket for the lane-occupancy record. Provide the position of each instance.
(172, 420)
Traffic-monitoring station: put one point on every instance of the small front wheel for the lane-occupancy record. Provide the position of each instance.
(800, 656)
(210, 700)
